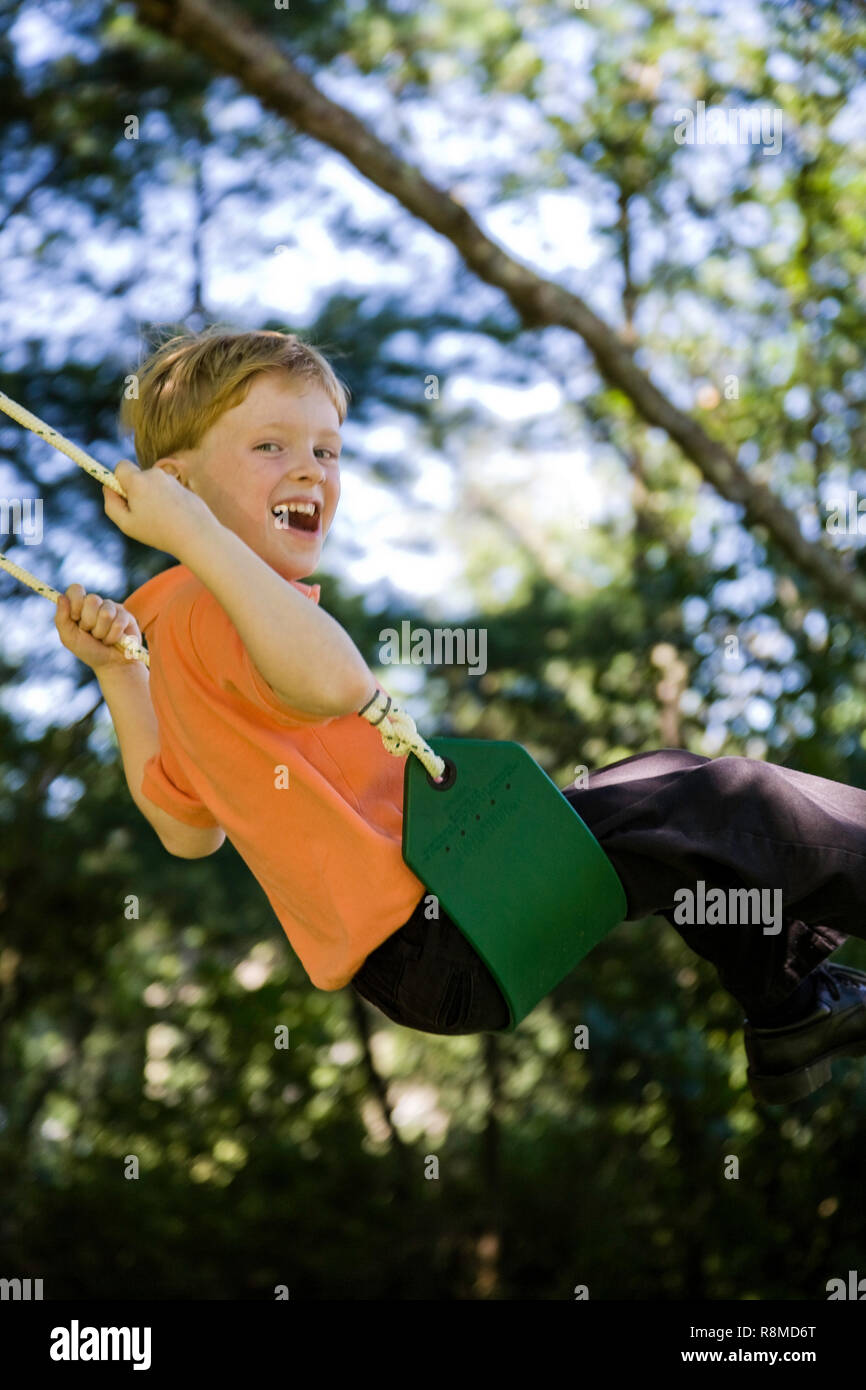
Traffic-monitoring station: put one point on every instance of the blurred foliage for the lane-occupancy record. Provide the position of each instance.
(149, 1030)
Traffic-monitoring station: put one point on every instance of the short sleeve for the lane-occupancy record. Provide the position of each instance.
(221, 653)
(163, 784)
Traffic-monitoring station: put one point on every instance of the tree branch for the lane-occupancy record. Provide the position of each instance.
(226, 36)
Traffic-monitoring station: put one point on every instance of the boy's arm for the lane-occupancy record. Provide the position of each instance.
(303, 653)
(126, 690)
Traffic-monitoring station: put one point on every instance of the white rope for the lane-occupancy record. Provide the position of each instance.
(51, 436)
(127, 645)
(398, 731)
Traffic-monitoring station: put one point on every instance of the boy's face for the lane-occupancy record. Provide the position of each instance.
(282, 443)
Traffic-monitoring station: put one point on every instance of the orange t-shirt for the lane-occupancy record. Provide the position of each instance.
(326, 848)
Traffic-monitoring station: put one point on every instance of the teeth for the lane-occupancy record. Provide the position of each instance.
(307, 507)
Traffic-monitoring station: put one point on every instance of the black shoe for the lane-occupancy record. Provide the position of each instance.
(791, 1062)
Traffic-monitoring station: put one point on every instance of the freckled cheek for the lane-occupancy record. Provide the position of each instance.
(233, 510)
(247, 520)
(252, 509)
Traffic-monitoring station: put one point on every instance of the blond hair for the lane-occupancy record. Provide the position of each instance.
(188, 382)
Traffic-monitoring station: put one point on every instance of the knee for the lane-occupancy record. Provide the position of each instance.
(735, 776)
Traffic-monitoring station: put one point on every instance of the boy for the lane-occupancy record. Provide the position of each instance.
(246, 727)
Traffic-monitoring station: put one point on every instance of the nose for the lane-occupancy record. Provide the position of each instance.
(310, 467)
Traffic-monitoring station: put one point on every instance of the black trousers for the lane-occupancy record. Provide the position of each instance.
(668, 820)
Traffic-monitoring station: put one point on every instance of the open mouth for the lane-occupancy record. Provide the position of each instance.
(303, 517)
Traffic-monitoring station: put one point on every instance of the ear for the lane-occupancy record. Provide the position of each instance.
(175, 466)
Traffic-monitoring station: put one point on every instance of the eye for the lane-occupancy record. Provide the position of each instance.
(323, 450)
(269, 445)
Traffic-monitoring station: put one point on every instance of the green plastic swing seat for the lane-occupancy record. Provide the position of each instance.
(511, 862)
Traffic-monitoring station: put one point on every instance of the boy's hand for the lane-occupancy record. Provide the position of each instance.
(157, 510)
(89, 626)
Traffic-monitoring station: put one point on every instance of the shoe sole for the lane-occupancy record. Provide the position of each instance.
(796, 1085)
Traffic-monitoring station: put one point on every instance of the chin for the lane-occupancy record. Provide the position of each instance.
(298, 569)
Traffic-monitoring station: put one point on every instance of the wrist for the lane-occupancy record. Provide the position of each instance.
(114, 676)
(197, 540)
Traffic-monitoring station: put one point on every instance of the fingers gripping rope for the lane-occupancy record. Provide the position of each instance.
(127, 644)
(32, 422)
(398, 731)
